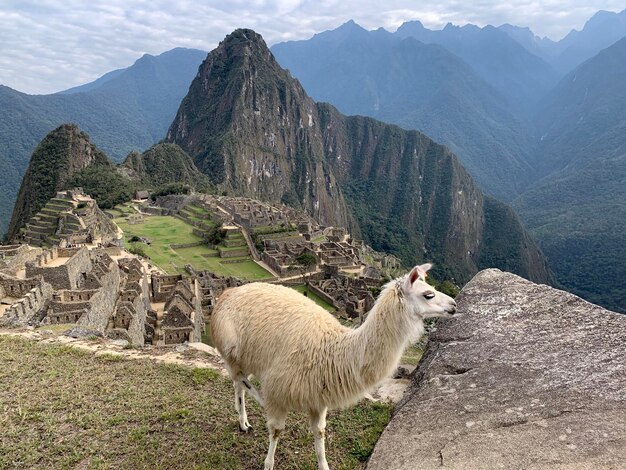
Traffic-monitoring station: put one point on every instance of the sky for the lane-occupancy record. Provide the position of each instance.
(51, 45)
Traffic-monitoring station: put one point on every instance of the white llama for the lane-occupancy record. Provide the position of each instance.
(305, 359)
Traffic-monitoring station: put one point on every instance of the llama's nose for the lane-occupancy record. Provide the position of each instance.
(452, 309)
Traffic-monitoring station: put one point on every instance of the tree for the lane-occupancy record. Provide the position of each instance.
(303, 263)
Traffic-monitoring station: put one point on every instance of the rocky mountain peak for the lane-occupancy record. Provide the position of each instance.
(255, 132)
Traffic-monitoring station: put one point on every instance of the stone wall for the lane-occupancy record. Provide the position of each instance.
(103, 302)
(14, 257)
(29, 306)
(16, 288)
(66, 276)
(523, 376)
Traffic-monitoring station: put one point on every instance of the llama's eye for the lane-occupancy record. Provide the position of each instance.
(429, 295)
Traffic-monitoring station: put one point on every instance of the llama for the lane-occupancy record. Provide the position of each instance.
(305, 359)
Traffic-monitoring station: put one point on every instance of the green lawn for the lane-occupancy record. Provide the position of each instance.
(65, 408)
(314, 297)
(164, 231)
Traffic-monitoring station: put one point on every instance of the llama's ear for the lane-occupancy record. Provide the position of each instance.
(413, 276)
(424, 268)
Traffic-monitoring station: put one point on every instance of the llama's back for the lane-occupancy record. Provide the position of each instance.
(258, 324)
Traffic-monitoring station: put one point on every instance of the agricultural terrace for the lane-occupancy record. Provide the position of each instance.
(165, 232)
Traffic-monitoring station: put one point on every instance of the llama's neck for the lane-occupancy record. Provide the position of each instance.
(379, 342)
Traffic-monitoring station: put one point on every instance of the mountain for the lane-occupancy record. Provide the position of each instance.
(602, 30)
(125, 110)
(254, 131)
(59, 156)
(66, 158)
(417, 86)
(517, 74)
(578, 210)
(544, 47)
(162, 164)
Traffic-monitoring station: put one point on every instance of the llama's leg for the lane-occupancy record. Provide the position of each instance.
(318, 428)
(240, 406)
(275, 425)
(247, 385)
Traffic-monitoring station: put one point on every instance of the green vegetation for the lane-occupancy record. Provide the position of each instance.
(164, 164)
(314, 297)
(412, 355)
(60, 153)
(165, 231)
(82, 411)
(104, 184)
(171, 188)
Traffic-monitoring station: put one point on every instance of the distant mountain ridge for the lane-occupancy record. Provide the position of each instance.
(517, 74)
(128, 109)
(578, 210)
(601, 31)
(255, 132)
(418, 86)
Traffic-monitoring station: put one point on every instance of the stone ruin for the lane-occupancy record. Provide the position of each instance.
(251, 214)
(176, 314)
(281, 255)
(70, 219)
(81, 286)
(350, 296)
(212, 286)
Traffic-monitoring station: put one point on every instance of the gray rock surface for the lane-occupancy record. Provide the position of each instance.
(524, 377)
(80, 332)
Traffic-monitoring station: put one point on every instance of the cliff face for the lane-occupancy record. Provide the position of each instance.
(60, 155)
(252, 128)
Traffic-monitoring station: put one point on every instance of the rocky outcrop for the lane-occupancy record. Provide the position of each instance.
(254, 131)
(162, 164)
(525, 376)
(61, 154)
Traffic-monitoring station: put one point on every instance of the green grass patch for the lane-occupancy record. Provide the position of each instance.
(412, 355)
(63, 408)
(314, 297)
(165, 231)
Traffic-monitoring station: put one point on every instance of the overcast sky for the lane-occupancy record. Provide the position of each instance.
(51, 45)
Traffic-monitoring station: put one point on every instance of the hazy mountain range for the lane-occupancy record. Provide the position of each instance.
(535, 122)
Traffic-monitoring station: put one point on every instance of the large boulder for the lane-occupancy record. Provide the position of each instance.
(524, 377)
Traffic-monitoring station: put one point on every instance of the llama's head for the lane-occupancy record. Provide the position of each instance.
(423, 299)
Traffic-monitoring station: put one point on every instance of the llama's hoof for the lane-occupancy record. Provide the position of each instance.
(245, 427)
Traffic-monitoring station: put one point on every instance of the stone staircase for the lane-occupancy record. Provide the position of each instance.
(41, 228)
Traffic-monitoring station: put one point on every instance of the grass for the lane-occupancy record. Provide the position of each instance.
(412, 355)
(314, 297)
(64, 408)
(164, 231)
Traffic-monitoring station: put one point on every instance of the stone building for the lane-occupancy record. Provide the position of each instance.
(211, 287)
(81, 286)
(177, 310)
(131, 310)
(351, 296)
(281, 256)
(251, 214)
(71, 218)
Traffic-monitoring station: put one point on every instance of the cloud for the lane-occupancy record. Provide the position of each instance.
(51, 45)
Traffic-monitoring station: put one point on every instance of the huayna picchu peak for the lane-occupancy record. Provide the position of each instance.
(255, 132)
(60, 155)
